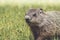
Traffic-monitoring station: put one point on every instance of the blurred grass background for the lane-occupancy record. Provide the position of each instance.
(12, 22)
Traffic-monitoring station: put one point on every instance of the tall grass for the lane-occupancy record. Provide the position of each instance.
(12, 22)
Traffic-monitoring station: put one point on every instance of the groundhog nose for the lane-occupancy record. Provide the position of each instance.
(27, 18)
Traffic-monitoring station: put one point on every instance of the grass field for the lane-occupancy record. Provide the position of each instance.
(12, 22)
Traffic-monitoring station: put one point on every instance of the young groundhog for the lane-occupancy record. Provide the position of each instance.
(44, 25)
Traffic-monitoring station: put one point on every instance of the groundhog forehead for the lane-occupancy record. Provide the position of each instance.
(34, 10)
(30, 11)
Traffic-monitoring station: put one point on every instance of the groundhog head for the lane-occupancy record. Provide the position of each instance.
(34, 16)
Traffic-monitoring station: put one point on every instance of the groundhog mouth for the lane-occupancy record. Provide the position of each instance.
(28, 21)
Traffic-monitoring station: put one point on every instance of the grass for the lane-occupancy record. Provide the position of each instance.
(12, 22)
(12, 25)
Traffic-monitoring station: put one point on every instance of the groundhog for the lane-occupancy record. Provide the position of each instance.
(44, 25)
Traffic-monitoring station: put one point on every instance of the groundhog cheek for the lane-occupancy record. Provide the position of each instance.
(33, 20)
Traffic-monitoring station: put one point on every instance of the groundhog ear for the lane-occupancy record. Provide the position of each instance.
(41, 10)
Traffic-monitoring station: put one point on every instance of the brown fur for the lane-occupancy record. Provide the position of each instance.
(44, 25)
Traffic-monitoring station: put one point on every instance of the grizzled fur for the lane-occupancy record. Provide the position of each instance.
(44, 25)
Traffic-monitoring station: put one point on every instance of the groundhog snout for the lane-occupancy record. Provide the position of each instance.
(27, 18)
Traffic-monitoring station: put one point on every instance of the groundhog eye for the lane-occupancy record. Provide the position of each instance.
(34, 15)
